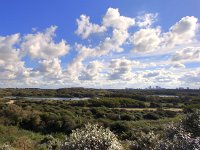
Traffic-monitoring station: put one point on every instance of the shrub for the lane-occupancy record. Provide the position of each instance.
(119, 127)
(177, 138)
(6, 147)
(151, 116)
(91, 137)
(191, 123)
(50, 143)
(183, 136)
(23, 143)
(144, 141)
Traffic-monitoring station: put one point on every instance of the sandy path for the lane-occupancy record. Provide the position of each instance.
(11, 102)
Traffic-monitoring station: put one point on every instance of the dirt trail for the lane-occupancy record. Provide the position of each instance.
(142, 109)
(11, 102)
(150, 109)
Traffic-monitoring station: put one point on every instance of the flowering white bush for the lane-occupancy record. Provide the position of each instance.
(6, 147)
(178, 139)
(181, 136)
(91, 137)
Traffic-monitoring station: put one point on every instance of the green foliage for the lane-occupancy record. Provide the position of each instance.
(190, 108)
(23, 143)
(191, 123)
(50, 143)
(145, 141)
(176, 137)
(136, 117)
(111, 103)
(12, 133)
(183, 135)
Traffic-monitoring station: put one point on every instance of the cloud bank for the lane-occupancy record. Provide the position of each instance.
(129, 52)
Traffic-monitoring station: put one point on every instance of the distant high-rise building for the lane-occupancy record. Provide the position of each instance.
(180, 88)
(158, 87)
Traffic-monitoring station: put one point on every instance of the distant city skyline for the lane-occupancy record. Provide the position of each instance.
(100, 44)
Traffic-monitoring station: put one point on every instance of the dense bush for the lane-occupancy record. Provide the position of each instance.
(108, 108)
(177, 138)
(38, 121)
(91, 137)
(191, 123)
(144, 141)
(111, 103)
(50, 143)
(183, 136)
(191, 107)
(6, 147)
(23, 143)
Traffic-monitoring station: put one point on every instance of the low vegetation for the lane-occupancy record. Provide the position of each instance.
(112, 119)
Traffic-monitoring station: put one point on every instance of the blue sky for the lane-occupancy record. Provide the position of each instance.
(100, 44)
(22, 15)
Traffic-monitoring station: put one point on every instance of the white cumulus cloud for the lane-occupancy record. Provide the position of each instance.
(42, 46)
(115, 20)
(92, 71)
(121, 69)
(50, 68)
(184, 31)
(147, 40)
(187, 54)
(86, 28)
(146, 20)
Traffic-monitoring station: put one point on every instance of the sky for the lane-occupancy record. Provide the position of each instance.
(99, 44)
